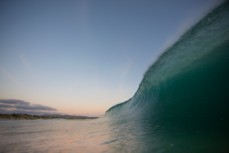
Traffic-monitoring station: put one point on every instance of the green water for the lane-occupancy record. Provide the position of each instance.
(181, 105)
(183, 98)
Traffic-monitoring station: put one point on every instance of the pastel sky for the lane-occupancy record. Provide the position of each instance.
(83, 56)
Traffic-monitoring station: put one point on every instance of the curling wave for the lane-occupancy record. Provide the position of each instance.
(188, 86)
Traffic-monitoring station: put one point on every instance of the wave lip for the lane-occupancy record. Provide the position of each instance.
(189, 81)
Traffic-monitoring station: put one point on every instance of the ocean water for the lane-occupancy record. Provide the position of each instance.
(181, 105)
(76, 136)
(103, 136)
(184, 96)
(50, 136)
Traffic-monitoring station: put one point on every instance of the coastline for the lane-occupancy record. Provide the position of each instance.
(35, 117)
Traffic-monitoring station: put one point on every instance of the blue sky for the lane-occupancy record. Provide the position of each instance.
(82, 57)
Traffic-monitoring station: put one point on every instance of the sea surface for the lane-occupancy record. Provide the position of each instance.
(56, 136)
(103, 136)
(75, 136)
(181, 105)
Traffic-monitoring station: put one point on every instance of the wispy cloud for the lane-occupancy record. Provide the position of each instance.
(126, 67)
(8, 75)
(124, 73)
(26, 63)
(20, 106)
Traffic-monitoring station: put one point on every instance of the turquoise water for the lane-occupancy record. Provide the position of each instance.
(184, 96)
(181, 105)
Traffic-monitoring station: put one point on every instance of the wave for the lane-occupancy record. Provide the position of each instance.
(189, 81)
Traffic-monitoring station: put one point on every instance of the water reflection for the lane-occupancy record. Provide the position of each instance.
(53, 136)
(105, 135)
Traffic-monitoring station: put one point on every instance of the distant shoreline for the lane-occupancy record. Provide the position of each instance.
(35, 117)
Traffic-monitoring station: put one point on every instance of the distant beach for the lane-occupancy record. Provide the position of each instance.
(35, 117)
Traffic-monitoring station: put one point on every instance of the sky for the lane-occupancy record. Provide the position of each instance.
(81, 57)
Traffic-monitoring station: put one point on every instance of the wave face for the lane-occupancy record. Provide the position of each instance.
(188, 86)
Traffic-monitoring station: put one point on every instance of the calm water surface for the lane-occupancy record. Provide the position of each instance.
(59, 135)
